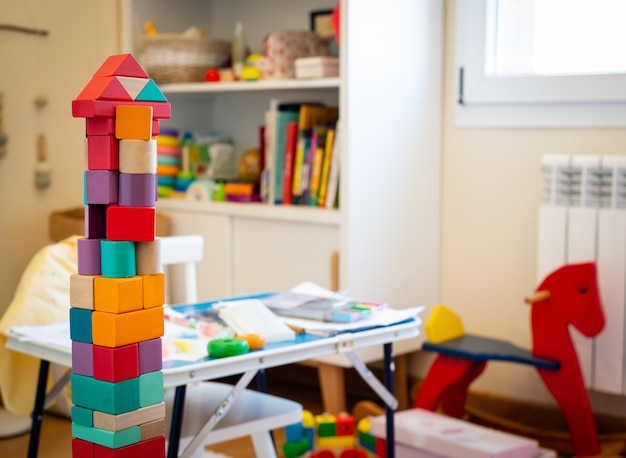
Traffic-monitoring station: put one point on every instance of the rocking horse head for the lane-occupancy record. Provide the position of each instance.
(569, 295)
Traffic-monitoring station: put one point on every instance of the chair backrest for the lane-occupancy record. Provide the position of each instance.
(179, 254)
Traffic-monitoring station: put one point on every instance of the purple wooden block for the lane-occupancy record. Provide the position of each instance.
(95, 221)
(89, 261)
(150, 356)
(101, 186)
(137, 190)
(82, 358)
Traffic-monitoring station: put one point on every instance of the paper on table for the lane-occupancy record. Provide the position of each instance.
(251, 316)
(57, 334)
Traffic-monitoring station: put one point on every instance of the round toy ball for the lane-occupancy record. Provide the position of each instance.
(250, 166)
(212, 75)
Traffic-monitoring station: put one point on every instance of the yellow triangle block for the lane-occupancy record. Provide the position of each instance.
(442, 325)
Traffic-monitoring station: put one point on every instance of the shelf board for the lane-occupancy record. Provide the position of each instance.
(261, 211)
(250, 86)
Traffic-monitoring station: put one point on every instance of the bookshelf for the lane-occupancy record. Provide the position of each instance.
(389, 95)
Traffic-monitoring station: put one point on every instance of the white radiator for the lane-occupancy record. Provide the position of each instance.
(583, 218)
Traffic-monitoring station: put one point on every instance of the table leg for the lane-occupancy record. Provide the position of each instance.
(177, 421)
(40, 397)
(389, 377)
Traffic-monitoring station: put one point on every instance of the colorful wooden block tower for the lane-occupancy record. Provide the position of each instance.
(117, 296)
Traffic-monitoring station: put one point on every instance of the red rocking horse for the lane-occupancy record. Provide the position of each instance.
(567, 296)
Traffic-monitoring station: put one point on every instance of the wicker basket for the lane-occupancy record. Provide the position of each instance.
(171, 58)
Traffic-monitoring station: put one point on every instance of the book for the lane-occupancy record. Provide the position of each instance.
(333, 173)
(328, 150)
(290, 153)
(286, 113)
(267, 175)
(317, 153)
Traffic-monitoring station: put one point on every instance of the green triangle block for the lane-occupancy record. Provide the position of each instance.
(151, 93)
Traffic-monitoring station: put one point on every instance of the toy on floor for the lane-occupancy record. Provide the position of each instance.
(567, 296)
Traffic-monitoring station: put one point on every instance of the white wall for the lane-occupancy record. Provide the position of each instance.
(81, 35)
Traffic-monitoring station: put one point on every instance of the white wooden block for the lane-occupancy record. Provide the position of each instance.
(138, 156)
(137, 417)
(148, 257)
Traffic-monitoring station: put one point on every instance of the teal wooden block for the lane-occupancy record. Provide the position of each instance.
(106, 438)
(150, 388)
(80, 325)
(108, 397)
(151, 93)
(82, 416)
(118, 259)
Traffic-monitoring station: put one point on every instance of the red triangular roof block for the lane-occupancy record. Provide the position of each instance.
(121, 65)
(104, 88)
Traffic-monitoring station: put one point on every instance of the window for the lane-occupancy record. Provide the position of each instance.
(541, 63)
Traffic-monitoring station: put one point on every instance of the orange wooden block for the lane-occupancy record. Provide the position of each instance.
(118, 329)
(118, 295)
(81, 291)
(133, 122)
(153, 290)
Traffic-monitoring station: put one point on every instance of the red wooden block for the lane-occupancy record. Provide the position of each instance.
(106, 108)
(152, 448)
(82, 449)
(102, 152)
(116, 364)
(100, 126)
(136, 224)
(104, 88)
(121, 65)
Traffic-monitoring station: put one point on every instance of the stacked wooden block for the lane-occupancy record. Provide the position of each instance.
(117, 296)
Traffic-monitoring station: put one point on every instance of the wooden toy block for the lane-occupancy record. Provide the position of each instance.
(81, 291)
(136, 86)
(99, 126)
(102, 152)
(82, 449)
(137, 190)
(121, 65)
(107, 108)
(153, 290)
(81, 325)
(151, 93)
(116, 330)
(82, 416)
(104, 88)
(152, 429)
(150, 356)
(443, 324)
(138, 156)
(117, 258)
(95, 221)
(148, 257)
(152, 448)
(133, 122)
(118, 295)
(111, 439)
(326, 425)
(88, 256)
(137, 224)
(108, 397)
(116, 364)
(101, 186)
(150, 388)
(82, 358)
(137, 417)
(336, 441)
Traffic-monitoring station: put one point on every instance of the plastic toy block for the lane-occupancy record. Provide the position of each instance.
(102, 152)
(294, 449)
(326, 425)
(133, 122)
(152, 429)
(137, 190)
(95, 221)
(81, 325)
(82, 416)
(82, 449)
(294, 432)
(116, 330)
(153, 290)
(308, 420)
(118, 295)
(89, 256)
(107, 108)
(150, 388)
(345, 424)
(121, 65)
(108, 397)
(101, 186)
(100, 126)
(126, 420)
(443, 324)
(148, 257)
(104, 88)
(116, 364)
(138, 156)
(153, 448)
(150, 356)
(81, 291)
(336, 441)
(136, 86)
(117, 258)
(82, 358)
(151, 93)
(137, 224)
(111, 439)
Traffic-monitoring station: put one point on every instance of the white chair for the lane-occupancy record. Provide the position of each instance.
(252, 413)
